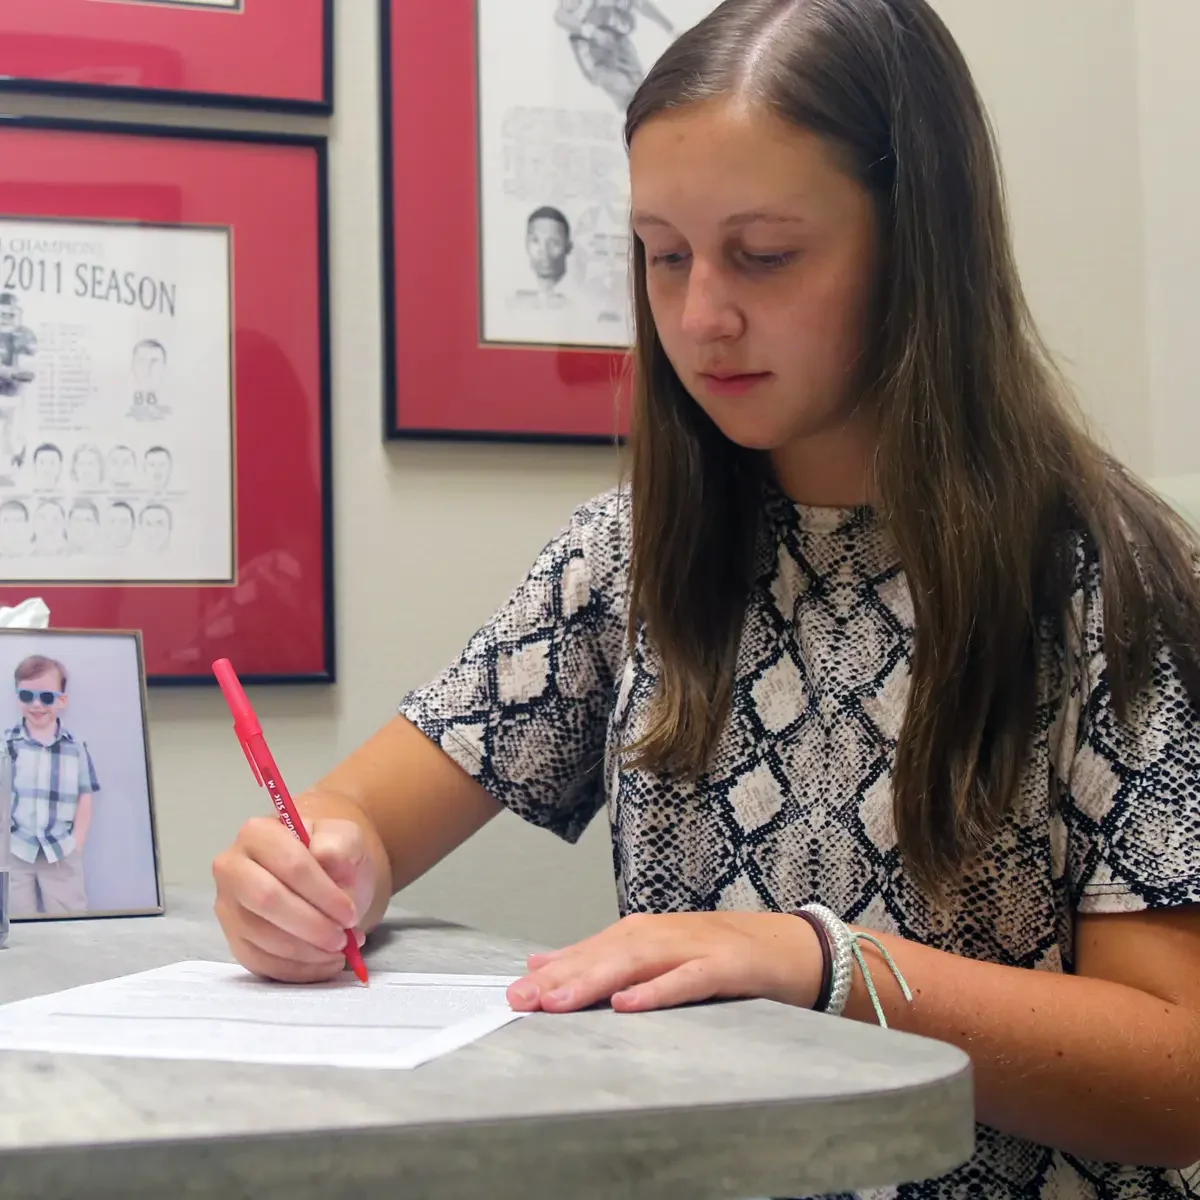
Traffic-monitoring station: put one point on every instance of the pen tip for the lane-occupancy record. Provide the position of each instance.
(360, 969)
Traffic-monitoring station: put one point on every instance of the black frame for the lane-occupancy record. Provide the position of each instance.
(320, 145)
(101, 91)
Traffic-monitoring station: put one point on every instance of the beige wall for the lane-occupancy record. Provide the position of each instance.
(452, 528)
(1168, 34)
(1060, 80)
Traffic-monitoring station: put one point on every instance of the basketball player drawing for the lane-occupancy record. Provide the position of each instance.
(601, 36)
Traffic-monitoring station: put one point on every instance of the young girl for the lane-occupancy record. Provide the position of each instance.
(874, 625)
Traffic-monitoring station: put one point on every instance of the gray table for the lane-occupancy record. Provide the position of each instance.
(724, 1100)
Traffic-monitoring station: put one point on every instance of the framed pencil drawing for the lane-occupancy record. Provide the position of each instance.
(506, 243)
(265, 54)
(164, 392)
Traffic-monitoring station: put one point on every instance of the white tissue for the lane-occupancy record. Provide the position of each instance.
(29, 614)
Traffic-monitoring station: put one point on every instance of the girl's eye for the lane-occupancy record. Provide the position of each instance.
(675, 259)
(768, 261)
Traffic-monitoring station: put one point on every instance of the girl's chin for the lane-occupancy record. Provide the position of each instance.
(751, 433)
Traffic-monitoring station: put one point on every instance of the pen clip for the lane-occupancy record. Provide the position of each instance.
(244, 742)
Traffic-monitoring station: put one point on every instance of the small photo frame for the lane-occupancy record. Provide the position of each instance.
(80, 834)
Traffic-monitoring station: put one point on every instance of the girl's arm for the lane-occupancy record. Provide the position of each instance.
(1104, 1064)
(412, 803)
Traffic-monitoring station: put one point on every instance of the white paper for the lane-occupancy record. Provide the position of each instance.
(116, 402)
(217, 1012)
(555, 78)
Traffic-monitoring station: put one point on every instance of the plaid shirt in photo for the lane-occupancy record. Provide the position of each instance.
(47, 784)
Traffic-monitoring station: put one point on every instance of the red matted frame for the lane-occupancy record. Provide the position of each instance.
(440, 381)
(269, 54)
(274, 620)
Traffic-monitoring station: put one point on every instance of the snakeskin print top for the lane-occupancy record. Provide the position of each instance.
(796, 804)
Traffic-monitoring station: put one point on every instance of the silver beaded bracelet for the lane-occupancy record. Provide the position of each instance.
(845, 952)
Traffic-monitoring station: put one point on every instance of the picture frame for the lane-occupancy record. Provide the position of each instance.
(442, 378)
(80, 838)
(171, 398)
(273, 55)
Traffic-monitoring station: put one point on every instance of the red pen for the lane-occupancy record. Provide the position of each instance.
(254, 745)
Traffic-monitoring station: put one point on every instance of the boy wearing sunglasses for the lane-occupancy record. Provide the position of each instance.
(54, 781)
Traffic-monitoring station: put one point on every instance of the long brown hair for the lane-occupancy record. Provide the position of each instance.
(984, 471)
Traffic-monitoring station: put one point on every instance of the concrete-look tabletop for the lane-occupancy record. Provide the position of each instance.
(723, 1100)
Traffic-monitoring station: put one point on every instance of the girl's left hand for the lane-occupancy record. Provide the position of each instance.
(659, 961)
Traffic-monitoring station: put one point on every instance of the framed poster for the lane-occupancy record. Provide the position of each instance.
(77, 825)
(506, 227)
(164, 392)
(268, 54)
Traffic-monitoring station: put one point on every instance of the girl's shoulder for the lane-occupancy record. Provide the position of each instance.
(596, 541)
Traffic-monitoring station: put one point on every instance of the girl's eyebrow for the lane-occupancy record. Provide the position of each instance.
(753, 216)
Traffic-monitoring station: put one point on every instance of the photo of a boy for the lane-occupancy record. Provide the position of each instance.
(54, 781)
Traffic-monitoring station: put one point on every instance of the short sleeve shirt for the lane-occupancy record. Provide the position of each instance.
(795, 805)
(48, 781)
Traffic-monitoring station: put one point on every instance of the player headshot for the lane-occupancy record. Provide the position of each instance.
(157, 467)
(87, 466)
(83, 527)
(15, 531)
(118, 525)
(156, 526)
(49, 528)
(122, 466)
(47, 466)
(149, 363)
(548, 244)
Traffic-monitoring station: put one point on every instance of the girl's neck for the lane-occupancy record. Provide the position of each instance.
(833, 468)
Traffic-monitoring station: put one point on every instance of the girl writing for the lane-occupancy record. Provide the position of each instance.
(873, 626)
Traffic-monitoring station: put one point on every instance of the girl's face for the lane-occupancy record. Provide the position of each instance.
(761, 266)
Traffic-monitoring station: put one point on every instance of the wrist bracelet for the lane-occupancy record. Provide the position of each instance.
(825, 994)
(846, 952)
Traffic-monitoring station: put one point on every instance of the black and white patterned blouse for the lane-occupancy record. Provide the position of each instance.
(796, 806)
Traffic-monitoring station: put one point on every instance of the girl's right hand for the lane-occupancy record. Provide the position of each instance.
(285, 908)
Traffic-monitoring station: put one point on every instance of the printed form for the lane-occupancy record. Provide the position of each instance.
(218, 1012)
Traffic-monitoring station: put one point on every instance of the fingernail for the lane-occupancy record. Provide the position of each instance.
(525, 993)
(360, 937)
(560, 995)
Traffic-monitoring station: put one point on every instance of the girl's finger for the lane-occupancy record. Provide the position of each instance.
(260, 893)
(284, 970)
(281, 945)
(571, 986)
(690, 983)
(543, 957)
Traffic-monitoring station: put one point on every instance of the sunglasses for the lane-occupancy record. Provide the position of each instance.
(27, 697)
